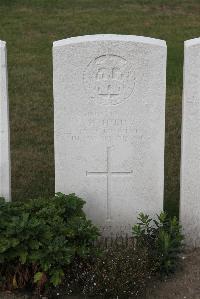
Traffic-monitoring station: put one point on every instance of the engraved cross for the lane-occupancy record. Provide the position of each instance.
(108, 173)
(109, 93)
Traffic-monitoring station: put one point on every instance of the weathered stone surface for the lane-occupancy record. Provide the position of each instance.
(190, 160)
(109, 103)
(5, 185)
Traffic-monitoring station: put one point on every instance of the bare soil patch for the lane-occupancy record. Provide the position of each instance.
(185, 284)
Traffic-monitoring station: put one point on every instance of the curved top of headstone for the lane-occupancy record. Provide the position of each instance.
(2, 43)
(110, 37)
(192, 42)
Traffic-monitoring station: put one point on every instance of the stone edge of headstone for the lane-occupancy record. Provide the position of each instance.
(2, 44)
(188, 44)
(192, 42)
(182, 129)
(5, 100)
(110, 37)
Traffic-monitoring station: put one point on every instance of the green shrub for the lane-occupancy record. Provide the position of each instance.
(40, 237)
(162, 238)
(49, 241)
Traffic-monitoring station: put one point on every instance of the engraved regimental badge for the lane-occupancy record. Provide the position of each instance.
(109, 80)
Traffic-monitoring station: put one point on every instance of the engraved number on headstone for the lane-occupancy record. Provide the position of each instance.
(108, 173)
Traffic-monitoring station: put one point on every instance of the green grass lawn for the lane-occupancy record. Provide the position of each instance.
(30, 27)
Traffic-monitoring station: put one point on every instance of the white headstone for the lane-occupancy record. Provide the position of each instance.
(5, 181)
(109, 105)
(190, 160)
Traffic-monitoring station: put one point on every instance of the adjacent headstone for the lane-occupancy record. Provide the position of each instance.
(109, 105)
(5, 182)
(190, 160)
